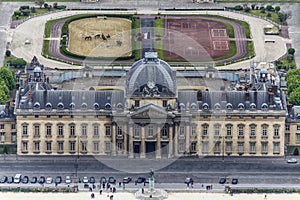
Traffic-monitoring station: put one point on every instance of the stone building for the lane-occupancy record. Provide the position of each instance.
(151, 114)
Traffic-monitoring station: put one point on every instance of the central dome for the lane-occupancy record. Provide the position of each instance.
(151, 77)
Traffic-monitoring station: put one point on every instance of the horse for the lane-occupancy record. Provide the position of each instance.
(108, 36)
(88, 37)
(97, 36)
(103, 37)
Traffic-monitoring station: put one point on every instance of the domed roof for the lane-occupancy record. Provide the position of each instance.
(151, 74)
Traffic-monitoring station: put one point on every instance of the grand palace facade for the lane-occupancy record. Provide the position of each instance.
(150, 112)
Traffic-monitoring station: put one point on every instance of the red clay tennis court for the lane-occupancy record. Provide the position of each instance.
(195, 39)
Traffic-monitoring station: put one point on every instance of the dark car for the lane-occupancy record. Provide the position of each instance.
(92, 180)
(42, 180)
(25, 179)
(102, 179)
(10, 179)
(33, 180)
(222, 180)
(140, 180)
(3, 179)
(189, 181)
(234, 181)
(112, 180)
(58, 180)
(127, 179)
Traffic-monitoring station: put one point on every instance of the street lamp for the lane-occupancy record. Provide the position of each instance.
(223, 151)
(76, 166)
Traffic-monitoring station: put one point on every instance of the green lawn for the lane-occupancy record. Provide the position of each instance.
(255, 1)
(273, 17)
(38, 11)
(159, 30)
(285, 64)
(47, 1)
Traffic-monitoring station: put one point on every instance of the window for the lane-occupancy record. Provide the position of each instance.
(240, 147)
(181, 147)
(83, 146)
(1, 126)
(205, 147)
(72, 130)
(241, 130)
(119, 131)
(287, 138)
(36, 146)
(60, 130)
(137, 131)
(193, 147)
(298, 138)
(107, 130)
(119, 146)
(107, 146)
(24, 129)
(264, 130)
(276, 147)
(13, 126)
(13, 137)
(228, 147)
(72, 146)
(252, 147)
(298, 127)
(181, 131)
(164, 132)
(60, 146)
(48, 146)
(264, 147)
(229, 131)
(252, 130)
(83, 129)
(287, 127)
(96, 130)
(217, 147)
(36, 130)
(96, 146)
(137, 103)
(48, 130)
(205, 130)
(165, 103)
(217, 130)
(276, 131)
(150, 131)
(193, 131)
(24, 146)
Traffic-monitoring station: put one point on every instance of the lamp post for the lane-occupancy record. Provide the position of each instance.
(76, 166)
(223, 148)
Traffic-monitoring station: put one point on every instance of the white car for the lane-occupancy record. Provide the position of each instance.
(68, 180)
(85, 179)
(49, 180)
(292, 160)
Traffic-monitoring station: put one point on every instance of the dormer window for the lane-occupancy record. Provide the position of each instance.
(205, 106)
(60, 106)
(96, 106)
(84, 106)
(107, 106)
(217, 106)
(72, 106)
(241, 106)
(229, 106)
(182, 106)
(120, 106)
(264, 106)
(193, 106)
(48, 106)
(36, 105)
(252, 106)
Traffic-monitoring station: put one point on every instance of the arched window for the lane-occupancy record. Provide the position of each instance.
(37, 105)
(205, 106)
(229, 106)
(48, 106)
(84, 106)
(241, 106)
(72, 106)
(96, 106)
(264, 106)
(107, 106)
(60, 106)
(252, 106)
(217, 106)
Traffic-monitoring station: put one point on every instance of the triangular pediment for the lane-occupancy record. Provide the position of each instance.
(150, 111)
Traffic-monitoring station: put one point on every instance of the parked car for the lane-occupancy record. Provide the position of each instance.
(140, 180)
(25, 179)
(33, 180)
(85, 179)
(10, 179)
(3, 179)
(127, 179)
(234, 181)
(41, 180)
(92, 180)
(292, 160)
(222, 180)
(103, 179)
(18, 178)
(49, 180)
(68, 180)
(189, 181)
(112, 180)
(58, 180)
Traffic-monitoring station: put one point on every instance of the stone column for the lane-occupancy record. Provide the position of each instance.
(113, 139)
(143, 145)
(158, 144)
(125, 150)
(130, 135)
(187, 138)
(176, 140)
(170, 145)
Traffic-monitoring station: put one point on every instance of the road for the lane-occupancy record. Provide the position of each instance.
(262, 170)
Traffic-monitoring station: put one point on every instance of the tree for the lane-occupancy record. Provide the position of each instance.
(46, 5)
(291, 51)
(294, 97)
(290, 58)
(17, 13)
(18, 62)
(8, 53)
(4, 92)
(282, 17)
(277, 9)
(40, 3)
(253, 6)
(8, 77)
(269, 8)
(247, 9)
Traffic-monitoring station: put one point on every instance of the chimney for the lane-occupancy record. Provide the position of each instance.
(47, 79)
(30, 94)
(7, 107)
(247, 96)
(199, 95)
(274, 89)
(271, 98)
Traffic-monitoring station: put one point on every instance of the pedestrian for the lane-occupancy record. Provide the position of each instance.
(123, 186)
(114, 189)
(92, 195)
(265, 196)
(91, 189)
(120, 184)
(110, 189)
(100, 192)
(142, 190)
(103, 185)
